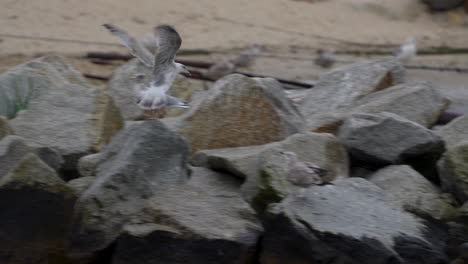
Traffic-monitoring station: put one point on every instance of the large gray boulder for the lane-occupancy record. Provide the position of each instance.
(140, 162)
(35, 213)
(240, 111)
(340, 88)
(442, 5)
(121, 88)
(189, 225)
(5, 128)
(453, 171)
(413, 191)
(454, 132)
(59, 108)
(387, 138)
(322, 149)
(350, 221)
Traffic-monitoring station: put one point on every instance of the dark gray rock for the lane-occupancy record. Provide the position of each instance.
(207, 179)
(414, 191)
(35, 213)
(240, 111)
(350, 221)
(442, 5)
(453, 171)
(454, 132)
(5, 128)
(59, 108)
(322, 149)
(387, 138)
(140, 162)
(12, 150)
(457, 235)
(50, 156)
(340, 88)
(190, 225)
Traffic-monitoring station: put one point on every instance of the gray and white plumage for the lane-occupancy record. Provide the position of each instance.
(302, 174)
(326, 58)
(165, 69)
(406, 51)
(247, 57)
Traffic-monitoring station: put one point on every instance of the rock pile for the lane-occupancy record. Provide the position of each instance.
(211, 185)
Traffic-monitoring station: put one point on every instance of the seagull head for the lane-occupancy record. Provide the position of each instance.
(181, 68)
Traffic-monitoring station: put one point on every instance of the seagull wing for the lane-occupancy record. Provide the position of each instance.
(168, 42)
(136, 49)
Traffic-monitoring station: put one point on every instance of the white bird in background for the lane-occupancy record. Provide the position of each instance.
(326, 58)
(219, 70)
(153, 97)
(302, 174)
(406, 51)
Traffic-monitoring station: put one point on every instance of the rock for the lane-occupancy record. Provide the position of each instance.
(413, 191)
(5, 128)
(455, 131)
(442, 5)
(140, 162)
(340, 88)
(419, 102)
(387, 138)
(61, 110)
(457, 235)
(12, 151)
(50, 156)
(80, 185)
(245, 162)
(462, 214)
(453, 171)
(207, 179)
(349, 221)
(121, 89)
(191, 225)
(35, 213)
(240, 111)
(88, 164)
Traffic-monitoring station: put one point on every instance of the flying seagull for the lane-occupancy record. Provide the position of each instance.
(406, 51)
(302, 174)
(153, 98)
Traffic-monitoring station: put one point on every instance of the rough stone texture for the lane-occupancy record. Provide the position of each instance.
(241, 111)
(453, 171)
(80, 185)
(140, 162)
(12, 150)
(457, 235)
(190, 225)
(419, 102)
(319, 148)
(62, 110)
(5, 128)
(413, 191)
(121, 89)
(35, 213)
(462, 214)
(207, 179)
(340, 88)
(88, 164)
(441, 5)
(351, 221)
(50, 156)
(387, 138)
(454, 132)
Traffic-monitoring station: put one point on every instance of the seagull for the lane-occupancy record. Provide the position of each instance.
(153, 98)
(247, 57)
(406, 51)
(219, 70)
(302, 174)
(326, 58)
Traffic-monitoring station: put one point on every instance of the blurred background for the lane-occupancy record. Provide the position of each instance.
(290, 32)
